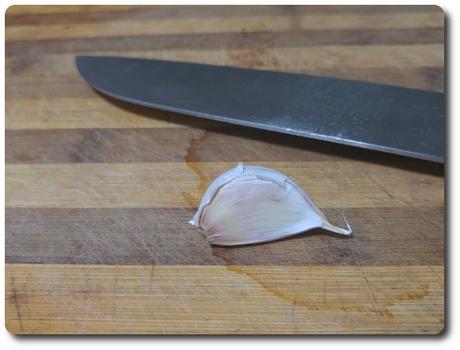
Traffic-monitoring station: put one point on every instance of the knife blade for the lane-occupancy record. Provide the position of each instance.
(386, 118)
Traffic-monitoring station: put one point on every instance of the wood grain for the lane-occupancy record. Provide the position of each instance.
(154, 145)
(61, 67)
(41, 10)
(331, 184)
(84, 112)
(36, 15)
(250, 23)
(224, 299)
(163, 237)
(206, 41)
(212, 143)
(99, 192)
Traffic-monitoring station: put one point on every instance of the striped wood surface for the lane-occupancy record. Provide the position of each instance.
(98, 192)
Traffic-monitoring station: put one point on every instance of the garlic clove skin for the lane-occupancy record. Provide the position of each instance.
(253, 204)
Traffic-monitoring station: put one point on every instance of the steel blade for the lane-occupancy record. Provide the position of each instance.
(388, 118)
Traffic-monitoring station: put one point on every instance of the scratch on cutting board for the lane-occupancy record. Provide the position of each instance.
(151, 255)
(16, 303)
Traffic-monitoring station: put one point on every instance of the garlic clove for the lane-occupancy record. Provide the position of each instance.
(253, 204)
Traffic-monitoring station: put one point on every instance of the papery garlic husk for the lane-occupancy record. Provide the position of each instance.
(253, 204)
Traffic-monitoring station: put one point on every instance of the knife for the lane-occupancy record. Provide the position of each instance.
(386, 118)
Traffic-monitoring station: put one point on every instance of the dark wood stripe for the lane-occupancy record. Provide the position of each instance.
(140, 13)
(222, 143)
(385, 236)
(424, 78)
(206, 41)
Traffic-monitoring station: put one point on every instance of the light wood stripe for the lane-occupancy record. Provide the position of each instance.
(90, 112)
(175, 185)
(218, 299)
(239, 24)
(410, 236)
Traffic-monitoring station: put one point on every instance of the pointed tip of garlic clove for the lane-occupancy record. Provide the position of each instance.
(341, 231)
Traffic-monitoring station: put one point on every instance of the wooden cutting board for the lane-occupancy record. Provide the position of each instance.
(99, 192)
